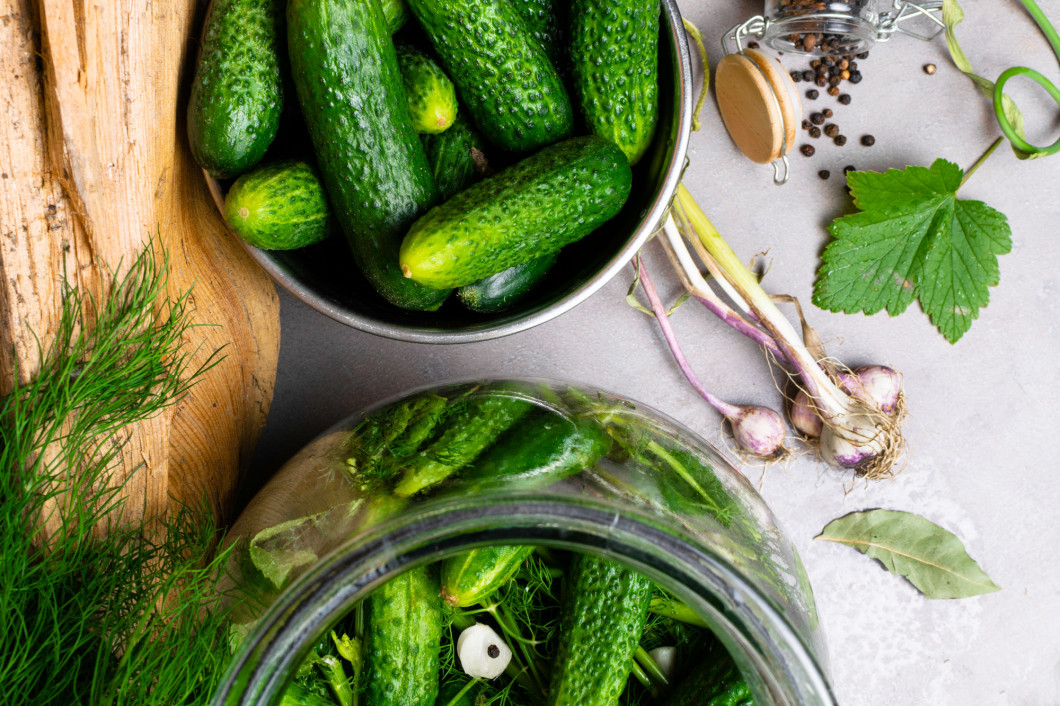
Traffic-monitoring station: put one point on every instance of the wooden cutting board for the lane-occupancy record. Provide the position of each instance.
(93, 163)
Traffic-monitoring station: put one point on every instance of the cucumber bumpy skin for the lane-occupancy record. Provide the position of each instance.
(345, 70)
(279, 206)
(529, 210)
(542, 19)
(506, 288)
(614, 51)
(714, 682)
(502, 73)
(600, 629)
(237, 93)
(405, 626)
(432, 97)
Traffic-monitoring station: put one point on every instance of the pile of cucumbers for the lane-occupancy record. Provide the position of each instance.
(577, 628)
(456, 144)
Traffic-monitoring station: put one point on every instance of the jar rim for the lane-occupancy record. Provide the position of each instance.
(755, 630)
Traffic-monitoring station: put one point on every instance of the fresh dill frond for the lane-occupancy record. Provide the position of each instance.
(94, 609)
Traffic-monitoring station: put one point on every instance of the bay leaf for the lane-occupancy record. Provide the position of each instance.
(933, 559)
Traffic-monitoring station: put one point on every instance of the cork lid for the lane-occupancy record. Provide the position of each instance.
(759, 105)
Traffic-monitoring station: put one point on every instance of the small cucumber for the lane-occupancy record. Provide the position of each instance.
(470, 429)
(506, 288)
(714, 682)
(405, 625)
(396, 13)
(383, 441)
(529, 210)
(237, 93)
(614, 51)
(298, 694)
(600, 629)
(432, 98)
(544, 448)
(457, 157)
(279, 206)
(473, 576)
(372, 163)
(502, 74)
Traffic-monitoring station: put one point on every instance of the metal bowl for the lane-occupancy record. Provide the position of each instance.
(324, 277)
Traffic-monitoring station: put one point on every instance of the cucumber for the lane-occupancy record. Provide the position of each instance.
(471, 428)
(714, 682)
(457, 157)
(396, 13)
(473, 576)
(614, 52)
(506, 288)
(431, 95)
(279, 206)
(384, 440)
(404, 638)
(600, 628)
(503, 75)
(237, 93)
(298, 694)
(529, 210)
(543, 448)
(345, 72)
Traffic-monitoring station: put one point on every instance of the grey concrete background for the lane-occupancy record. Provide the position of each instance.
(982, 428)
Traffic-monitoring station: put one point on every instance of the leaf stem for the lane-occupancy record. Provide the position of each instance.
(982, 159)
(650, 666)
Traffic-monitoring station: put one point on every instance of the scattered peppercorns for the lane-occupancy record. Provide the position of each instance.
(849, 168)
(796, 76)
(812, 94)
(827, 112)
(808, 75)
(868, 140)
(831, 129)
(807, 150)
(806, 124)
(817, 118)
(844, 98)
(839, 140)
(824, 174)
(929, 69)
(833, 91)
(815, 132)
(855, 77)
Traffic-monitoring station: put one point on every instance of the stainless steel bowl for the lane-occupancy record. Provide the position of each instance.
(325, 278)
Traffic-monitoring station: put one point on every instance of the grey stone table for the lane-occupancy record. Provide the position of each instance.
(982, 426)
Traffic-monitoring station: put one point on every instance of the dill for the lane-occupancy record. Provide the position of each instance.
(93, 609)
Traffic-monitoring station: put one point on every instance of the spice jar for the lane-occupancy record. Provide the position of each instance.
(330, 527)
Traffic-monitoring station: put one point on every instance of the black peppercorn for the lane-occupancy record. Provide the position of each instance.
(821, 81)
(844, 98)
(831, 129)
(840, 140)
(824, 174)
(827, 112)
(808, 75)
(815, 132)
(834, 81)
(855, 77)
(806, 124)
(815, 63)
(812, 94)
(493, 651)
(863, 55)
(849, 168)
(796, 76)
(752, 45)
(868, 140)
(817, 118)
(833, 91)
(807, 150)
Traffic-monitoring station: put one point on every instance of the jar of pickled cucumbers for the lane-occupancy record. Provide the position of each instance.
(516, 542)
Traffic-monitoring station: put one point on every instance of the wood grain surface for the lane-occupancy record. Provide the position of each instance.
(94, 163)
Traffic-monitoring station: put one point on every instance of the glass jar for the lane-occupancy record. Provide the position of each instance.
(373, 497)
(837, 28)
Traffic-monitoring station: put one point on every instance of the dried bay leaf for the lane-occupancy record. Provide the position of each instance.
(933, 559)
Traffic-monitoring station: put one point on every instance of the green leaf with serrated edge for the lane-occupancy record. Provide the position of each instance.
(952, 15)
(913, 239)
(930, 557)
